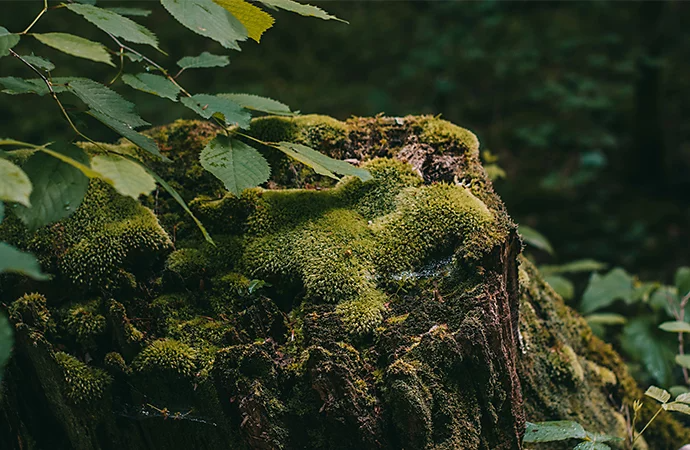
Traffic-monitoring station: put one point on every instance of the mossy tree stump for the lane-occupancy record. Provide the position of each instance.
(385, 314)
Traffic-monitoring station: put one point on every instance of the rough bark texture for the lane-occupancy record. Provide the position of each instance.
(391, 316)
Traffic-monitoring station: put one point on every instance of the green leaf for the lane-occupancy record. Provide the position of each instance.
(582, 265)
(675, 327)
(254, 19)
(644, 342)
(76, 46)
(256, 103)
(15, 86)
(7, 41)
(605, 319)
(594, 437)
(129, 178)
(58, 188)
(658, 394)
(15, 185)
(603, 290)
(203, 61)
(535, 239)
(115, 24)
(235, 163)
(683, 361)
(152, 84)
(561, 285)
(182, 203)
(134, 12)
(83, 168)
(559, 430)
(17, 261)
(300, 8)
(123, 129)
(684, 397)
(208, 19)
(39, 62)
(209, 105)
(590, 445)
(682, 281)
(101, 99)
(6, 341)
(322, 164)
(678, 407)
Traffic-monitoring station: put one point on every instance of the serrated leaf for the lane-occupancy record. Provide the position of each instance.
(152, 84)
(115, 24)
(683, 361)
(76, 46)
(559, 430)
(675, 327)
(182, 203)
(129, 178)
(678, 407)
(209, 105)
(535, 239)
(561, 285)
(208, 19)
(6, 342)
(104, 100)
(603, 290)
(126, 131)
(682, 281)
(589, 445)
(203, 61)
(322, 164)
(582, 265)
(301, 9)
(15, 185)
(684, 397)
(644, 342)
(134, 12)
(7, 41)
(235, 163)
(594, 437)
(17, 261)
(257, 103)
(39, 62)
(58, 188)
(605, 319)
(658, 394)
(254, 19)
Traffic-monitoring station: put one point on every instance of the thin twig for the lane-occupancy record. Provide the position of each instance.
(45, 8)
(150, 61)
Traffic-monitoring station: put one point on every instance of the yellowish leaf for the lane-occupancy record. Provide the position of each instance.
(254, 19)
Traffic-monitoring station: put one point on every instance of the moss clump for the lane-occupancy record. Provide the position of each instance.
(82, 384)
(84, 322)
(441, 133)
(32, 310)
(362, 315)
(124, 329)
(311, 130)
(431, 220)
(116, 364)
(167, 356)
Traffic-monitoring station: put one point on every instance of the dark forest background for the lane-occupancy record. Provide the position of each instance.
(586, 104)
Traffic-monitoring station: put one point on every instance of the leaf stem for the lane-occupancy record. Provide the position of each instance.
(645, 427)
(43, 11)
(150, 61)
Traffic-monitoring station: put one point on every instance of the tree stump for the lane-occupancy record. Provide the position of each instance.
(395, 313)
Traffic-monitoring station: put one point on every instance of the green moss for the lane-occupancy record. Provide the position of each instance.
(124, 327)
(432, 220)
(106, 238)
(311, 130)
(84, 322)
(362, 315)
(32, 310)
(439, 132)
(82, 384)
(116, 364)
(168, 356)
